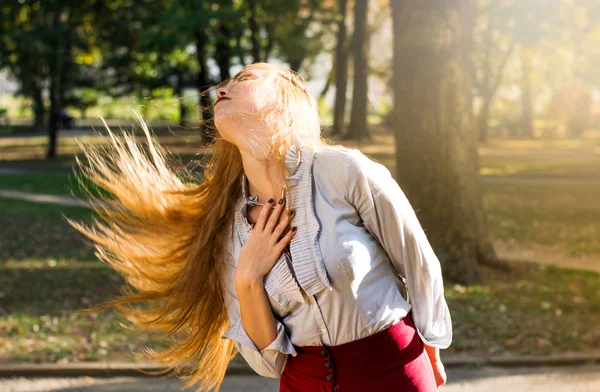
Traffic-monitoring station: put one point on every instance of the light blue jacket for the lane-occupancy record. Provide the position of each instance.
(358, 241)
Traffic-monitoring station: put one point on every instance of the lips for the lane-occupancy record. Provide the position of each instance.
(222, 99)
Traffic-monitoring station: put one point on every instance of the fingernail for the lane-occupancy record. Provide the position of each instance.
(294, 228)
(280, 201)
(270, 201)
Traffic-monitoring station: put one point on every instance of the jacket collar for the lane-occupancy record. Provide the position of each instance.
(306, 257)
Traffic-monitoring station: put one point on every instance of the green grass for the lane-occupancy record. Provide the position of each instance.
(52, 183)
(506, 313)
(531, 310)
(48, 272)
(43, 324)
(39, 231)
(553, 213)
(544, 167)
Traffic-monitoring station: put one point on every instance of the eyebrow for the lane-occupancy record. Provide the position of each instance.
(246, 73)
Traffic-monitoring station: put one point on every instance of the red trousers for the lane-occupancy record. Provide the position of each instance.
(390, 360)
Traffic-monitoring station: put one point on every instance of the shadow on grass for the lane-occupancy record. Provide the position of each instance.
(39, 231)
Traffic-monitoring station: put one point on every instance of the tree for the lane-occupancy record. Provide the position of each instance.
(341, 69)
(164, 43)
(493, 45)
(436, 141)
(526, 61)
(47, 44)
(571, 107)
(292, 30)
(358, 128)
(20, 49)
(534, 22)
(572, 71)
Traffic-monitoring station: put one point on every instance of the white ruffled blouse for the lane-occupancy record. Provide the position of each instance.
(359, 247)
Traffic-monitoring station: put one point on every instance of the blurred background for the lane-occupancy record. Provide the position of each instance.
(486, 112)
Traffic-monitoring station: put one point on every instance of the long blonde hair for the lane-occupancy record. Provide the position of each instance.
(166, 236)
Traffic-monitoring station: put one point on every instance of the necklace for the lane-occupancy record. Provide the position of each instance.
(253, 200)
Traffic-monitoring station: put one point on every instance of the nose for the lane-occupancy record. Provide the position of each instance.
(221, 92)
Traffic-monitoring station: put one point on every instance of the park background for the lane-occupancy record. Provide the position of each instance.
(486, 112)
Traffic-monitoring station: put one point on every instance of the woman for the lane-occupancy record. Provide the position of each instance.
(305, 257)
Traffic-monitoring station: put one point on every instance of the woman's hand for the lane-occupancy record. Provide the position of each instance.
(436, 363)
(264, 245)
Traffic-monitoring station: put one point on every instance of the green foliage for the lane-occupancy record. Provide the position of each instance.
(143, 48)
(52, 42)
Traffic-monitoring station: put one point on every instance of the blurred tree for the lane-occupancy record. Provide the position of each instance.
(223, 38)
(20, 48)
(49, 43)
(436, 140)
(292, 30)
(85, 98)
(138, 58)
(493, 45)
(526, 59)
(341, 69)
(532, 31)
(166, 43)
(571, 106)
(572, 71)
(358, 128)
(580, 22)
(534, 23)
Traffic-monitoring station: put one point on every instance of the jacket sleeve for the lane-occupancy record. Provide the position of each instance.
(387, 214)
(268, 362)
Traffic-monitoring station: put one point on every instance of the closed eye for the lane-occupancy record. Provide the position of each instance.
(244, 77)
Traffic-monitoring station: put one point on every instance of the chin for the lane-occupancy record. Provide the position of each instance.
(220, 120)
(222, 126)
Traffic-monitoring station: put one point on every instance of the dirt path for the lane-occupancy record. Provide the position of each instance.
(43, 198)
(548, 256)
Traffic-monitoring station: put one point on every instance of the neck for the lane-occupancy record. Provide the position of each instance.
(258, 174)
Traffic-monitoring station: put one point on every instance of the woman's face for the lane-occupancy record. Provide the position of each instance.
(239, 102)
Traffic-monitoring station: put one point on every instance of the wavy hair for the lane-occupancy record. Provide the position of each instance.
(167, 236)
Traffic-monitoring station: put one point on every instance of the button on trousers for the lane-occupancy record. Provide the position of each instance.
(390, 360)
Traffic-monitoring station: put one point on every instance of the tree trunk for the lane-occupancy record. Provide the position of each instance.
(489, 86)
(358, 129)
(341, 71)
(55, 86)
(203, 83)
(482, 119)
(223, 50)
(327, 85)
(436, 140)
(53, 125)
(296, 63)
(38, 107)
(485, 84)
(254, 31)
(526, 97)
(239, 49)
(179, 92)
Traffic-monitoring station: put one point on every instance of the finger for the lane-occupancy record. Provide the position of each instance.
(264, 215)
(275, 215)
(287, 222)
(286, 239)
(281, 228)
